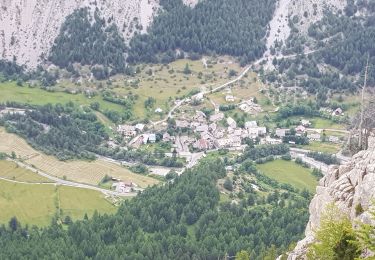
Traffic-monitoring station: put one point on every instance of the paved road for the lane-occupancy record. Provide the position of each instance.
(30, 183)
(311, 162)
(73, 184)
(320, 130)
(195, 157)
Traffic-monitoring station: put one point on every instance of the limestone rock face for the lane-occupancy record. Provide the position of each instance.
(28, 28)
(347, 186)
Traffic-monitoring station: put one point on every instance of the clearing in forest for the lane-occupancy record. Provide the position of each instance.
(289, 172)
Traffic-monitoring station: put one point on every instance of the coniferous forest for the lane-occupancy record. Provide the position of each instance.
(236, 28)
(88, 42)
(183, 219)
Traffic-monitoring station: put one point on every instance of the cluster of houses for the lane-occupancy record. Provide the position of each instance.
(333, 112)
(201, 133)
(213, 132)
(304, 130)
(218, 131)
(12, 111)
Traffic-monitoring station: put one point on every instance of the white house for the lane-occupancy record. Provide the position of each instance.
(139, 127)
(262, 130)
(337, 112)
(202, 128)
(152, 138)
(251, 124)
(269, 140)
(229, 98)
(300, 129)
(280, 132)
(166, 137)
(198, 96)
(314, 137)
(123, 187)
(305, 123)
(217, 117)
(158, 110)
(334, 139)
(127, 130)
(182, 124)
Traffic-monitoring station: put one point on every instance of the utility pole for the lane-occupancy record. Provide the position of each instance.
(363, 105)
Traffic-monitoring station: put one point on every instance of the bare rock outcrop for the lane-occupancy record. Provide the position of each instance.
(28, 28)
(347, 186)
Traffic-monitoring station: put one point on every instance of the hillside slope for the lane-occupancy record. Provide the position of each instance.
(28, 28)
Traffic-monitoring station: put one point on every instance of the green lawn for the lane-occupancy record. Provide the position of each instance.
(36, 96)
(321, 123)
(289, 172)
(37, 204)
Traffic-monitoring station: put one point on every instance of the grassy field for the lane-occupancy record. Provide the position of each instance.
(10, 170)
(11, 92)
(322, 147)
(36, 204)
(79, 171)
(289, 172)
(169, 81)
(76, 202)
(321, 123)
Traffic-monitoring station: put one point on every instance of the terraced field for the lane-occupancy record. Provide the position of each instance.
(79, 171)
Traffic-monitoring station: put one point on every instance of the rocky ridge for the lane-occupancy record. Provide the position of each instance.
(347, 186)
(29, 28)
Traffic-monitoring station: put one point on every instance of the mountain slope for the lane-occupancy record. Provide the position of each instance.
(28, 28)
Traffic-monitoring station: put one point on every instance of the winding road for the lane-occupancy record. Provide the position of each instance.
(58, 181)
(239, 77)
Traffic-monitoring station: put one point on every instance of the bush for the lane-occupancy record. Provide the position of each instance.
(286, 157)
(228, 184)
(358, 209)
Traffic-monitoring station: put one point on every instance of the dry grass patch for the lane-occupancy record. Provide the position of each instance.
(79, 171)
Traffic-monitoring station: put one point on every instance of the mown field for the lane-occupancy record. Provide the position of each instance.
(289, 172)
(79, 171)
(37, 204)
(10, 170)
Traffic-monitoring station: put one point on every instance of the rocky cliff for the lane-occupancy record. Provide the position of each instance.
(29, 27)
(347, 186)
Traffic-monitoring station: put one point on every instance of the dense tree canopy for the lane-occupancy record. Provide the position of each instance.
(97, 43)
(182, 219)
(62, 130)
(236, 27)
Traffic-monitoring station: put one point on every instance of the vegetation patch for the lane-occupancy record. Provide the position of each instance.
(79, 171)
(10, 170)
(38, 204)
(290, 173)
